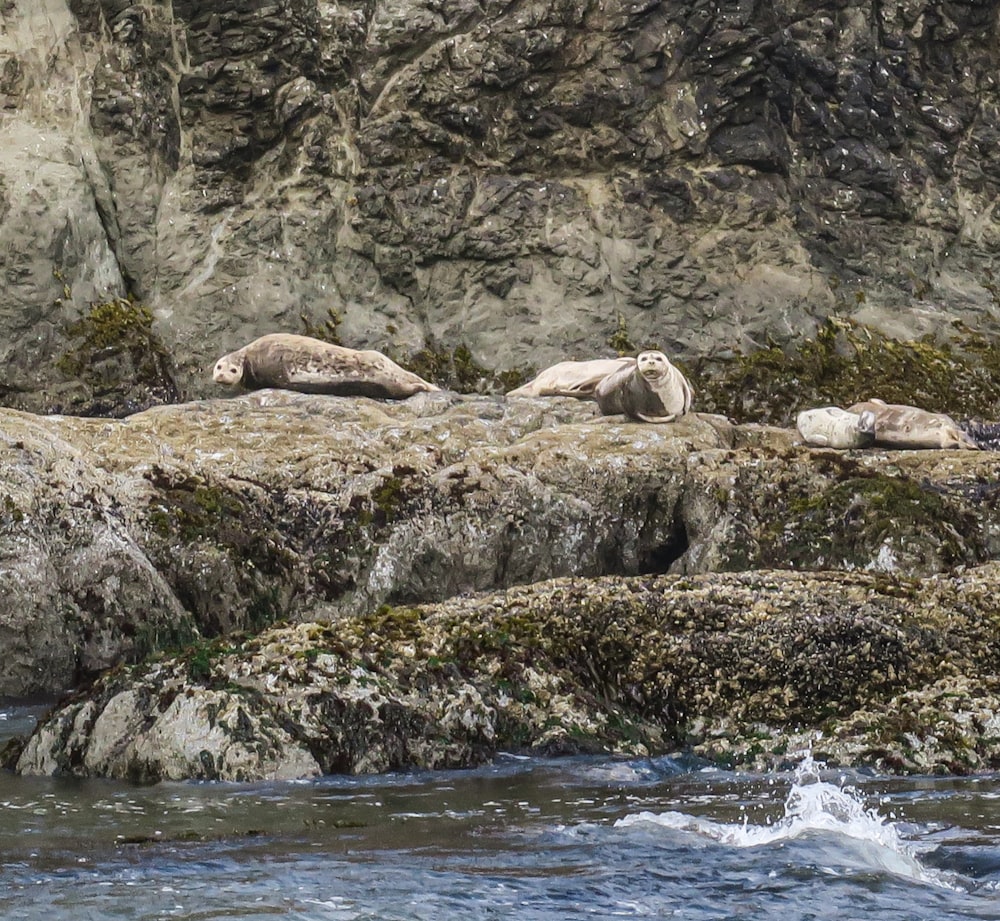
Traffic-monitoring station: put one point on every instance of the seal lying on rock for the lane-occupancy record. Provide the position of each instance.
(651, 390)
(572, 378)
(833, 427)
(314, 366)
(900, 426)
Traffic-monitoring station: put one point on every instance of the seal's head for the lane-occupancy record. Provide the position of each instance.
(229, 369)
(652, 365)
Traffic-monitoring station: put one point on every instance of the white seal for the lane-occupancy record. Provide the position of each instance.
(833, 427)
(571, 378)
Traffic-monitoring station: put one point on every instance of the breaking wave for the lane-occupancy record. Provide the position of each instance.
(843, 834)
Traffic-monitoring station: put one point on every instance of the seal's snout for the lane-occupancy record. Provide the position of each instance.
(651, 365)
(226, 372)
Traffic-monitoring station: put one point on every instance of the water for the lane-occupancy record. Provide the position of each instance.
(525, 839)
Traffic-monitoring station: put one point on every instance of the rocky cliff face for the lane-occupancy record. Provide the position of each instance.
(526, 179)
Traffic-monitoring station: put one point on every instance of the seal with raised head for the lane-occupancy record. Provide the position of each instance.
(833, 427)
(311, 365)
(651, 390)
(898, 425)
(572, 378)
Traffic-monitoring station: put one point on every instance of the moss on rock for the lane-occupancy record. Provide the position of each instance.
(456, 369)
(845, 363)
(120, 361)
(328, 330)
(192, 509)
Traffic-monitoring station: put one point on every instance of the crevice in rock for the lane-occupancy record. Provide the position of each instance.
(657, 559)
(107, 214)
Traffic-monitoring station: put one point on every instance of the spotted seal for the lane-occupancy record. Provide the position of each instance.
(898, 425)
(313, 366)
(651, 390)
(833, 427)
(571, 378)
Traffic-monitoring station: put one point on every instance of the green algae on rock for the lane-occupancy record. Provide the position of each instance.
(846, 362)
(119, 361)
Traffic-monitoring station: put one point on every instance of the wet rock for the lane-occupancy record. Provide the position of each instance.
(742, 667)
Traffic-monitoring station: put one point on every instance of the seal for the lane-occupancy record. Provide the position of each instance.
(652, 390)
(898, 425)
(571, 378)
(311, 365)
(833, 427)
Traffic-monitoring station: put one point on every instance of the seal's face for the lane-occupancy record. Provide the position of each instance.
(228, 370)
(652, 365)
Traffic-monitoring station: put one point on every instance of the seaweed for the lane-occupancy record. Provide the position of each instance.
(115, 353)
(845, 363)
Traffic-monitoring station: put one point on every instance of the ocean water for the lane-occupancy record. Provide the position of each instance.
(525, 839)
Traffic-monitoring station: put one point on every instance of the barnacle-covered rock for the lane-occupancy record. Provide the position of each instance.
(743, 668)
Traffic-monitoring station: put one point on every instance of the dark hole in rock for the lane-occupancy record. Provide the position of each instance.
(658, 559)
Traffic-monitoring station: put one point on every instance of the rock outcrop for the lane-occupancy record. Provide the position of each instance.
(191, 527)
(528, 180)
(279, 505)
(864, 668)
(477, 189)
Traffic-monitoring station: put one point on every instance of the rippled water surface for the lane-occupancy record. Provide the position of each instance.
(523, 839)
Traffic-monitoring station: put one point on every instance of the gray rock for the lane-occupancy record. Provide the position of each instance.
(865, 669)
(206, 519)
(513, 178)
(78, 592)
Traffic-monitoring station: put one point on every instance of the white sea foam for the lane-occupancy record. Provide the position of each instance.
(847, 834)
